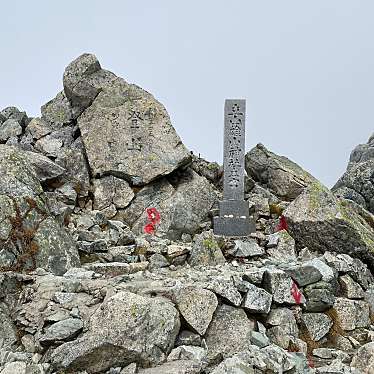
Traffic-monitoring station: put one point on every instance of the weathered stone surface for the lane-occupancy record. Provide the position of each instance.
(12, 112)
(364, 358)
(111, 190)
(282, 176)
(317, 324)
(57, 111)
(38, 128)
(320, 296)
(182, 209)
(186, 352)
(118, 335)
(248, 248)
(197, 306)
(226, 289)
(49, 145)
(357, 182)
(257, 300)
(175, 367)
(8, 335)
(350, 288)
(26, 229)
(282, 287)
(285, 250)
(206, 250)
(283, 326)
(126, 132)
(304, 274)
(319, 221)
(62, 330)
(352, 313)
(9, 128)
(228, 333)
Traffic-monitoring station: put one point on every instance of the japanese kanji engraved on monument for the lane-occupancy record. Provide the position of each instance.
(234, 210)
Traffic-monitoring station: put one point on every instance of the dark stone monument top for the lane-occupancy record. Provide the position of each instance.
(234, 210)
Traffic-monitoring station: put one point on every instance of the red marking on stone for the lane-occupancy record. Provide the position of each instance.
(149, 228)
(153, 219)
(295, 292)
(153, 215)
(283, 225)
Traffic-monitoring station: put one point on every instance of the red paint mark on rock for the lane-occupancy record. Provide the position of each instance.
(310, 362)
(153, 215)
(153, 219)
(295, 292)
(283, 225)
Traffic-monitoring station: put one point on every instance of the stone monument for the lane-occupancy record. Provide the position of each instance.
(233, 219)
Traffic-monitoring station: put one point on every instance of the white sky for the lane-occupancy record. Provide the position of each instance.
(305, 67)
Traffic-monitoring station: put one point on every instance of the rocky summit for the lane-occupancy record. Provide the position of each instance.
(109, 262)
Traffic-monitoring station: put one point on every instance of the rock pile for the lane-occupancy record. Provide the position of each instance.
(109, 263)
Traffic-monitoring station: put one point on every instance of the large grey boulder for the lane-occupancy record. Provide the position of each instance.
(320, 221)
(125, 130)
(357, 183)
(228, 333)
(182, 208)
(126, 328)
(29, 236)
(279, 174)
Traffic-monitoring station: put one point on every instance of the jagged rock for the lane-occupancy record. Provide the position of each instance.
(283, 327)
(317, 324)
(282, 176)
(62, 330)
(320, 296)
(118, 335)
(72, 159)
(175, 367)
(111, 190)
(9, 129)
(364, 358)
(350, 288)
(357, 182)
(197, 306)
(248, 248)
(188, 338)
(38, 128)
(182, 209)
(157, 261)
(8, 335)
(284, 250)
(44, 168)
(186, 352)
(57, 111)
(282, 287)
(257, 300)
(12, 112)
(210, 170)
(352, 313)
(228, 333)
(319, 221)
(126, 132)
(259, 339)
(49, 145)
(17, 367)
(206, 250)
(26, 229)
(226, 289)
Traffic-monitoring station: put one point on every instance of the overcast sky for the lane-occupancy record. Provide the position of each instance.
(306, 68)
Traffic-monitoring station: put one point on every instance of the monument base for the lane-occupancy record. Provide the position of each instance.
(233, 226)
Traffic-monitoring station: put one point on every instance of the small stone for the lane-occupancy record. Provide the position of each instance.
(304, 274)
(63, 330)
(188, 338)
(197, 306)
(285, 250)
(323, 353)
(130, 369)
(257, 300)
(226, 289)
(248, 248)
(157, 261)
(325, 270)
(350, 288)
(10, 128)
(282, 287)
(317, 324)
(49, 146)
(38, 128)
(364, 358)
(320, 296)
(352, 313)
(185, 352)
(261, 340)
